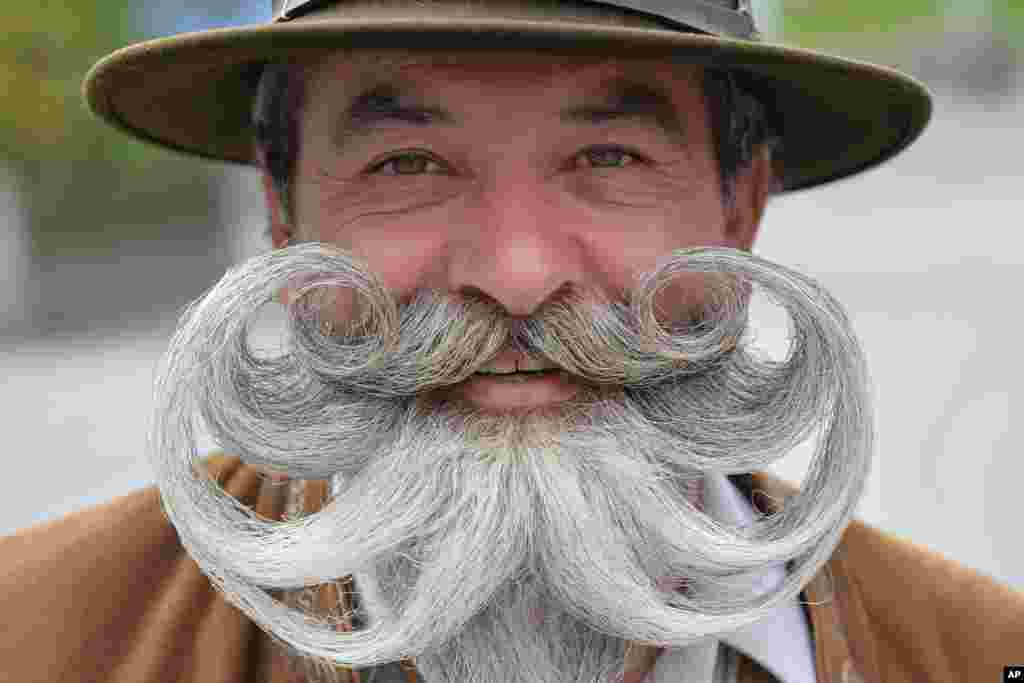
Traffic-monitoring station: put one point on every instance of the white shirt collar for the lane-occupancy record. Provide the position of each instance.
(781, 642)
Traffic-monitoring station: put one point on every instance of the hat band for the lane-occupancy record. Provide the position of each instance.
(684, 15)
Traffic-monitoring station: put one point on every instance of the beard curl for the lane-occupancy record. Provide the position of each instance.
(655, 407)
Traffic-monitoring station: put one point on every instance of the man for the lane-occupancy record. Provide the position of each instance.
(566, 192)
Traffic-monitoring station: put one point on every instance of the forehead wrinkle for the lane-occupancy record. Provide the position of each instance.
(624, 91)
(627, 97)
(380, 102)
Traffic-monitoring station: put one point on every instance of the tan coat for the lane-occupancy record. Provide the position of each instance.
(109, 594)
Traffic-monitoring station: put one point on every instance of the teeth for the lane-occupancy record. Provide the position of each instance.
(519, 366)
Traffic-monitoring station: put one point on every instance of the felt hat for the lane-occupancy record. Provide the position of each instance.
(193, 92)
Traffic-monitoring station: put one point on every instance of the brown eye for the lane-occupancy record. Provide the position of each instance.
(410, 163)
(610, 157)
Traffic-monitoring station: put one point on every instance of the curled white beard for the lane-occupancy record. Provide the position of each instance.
(458, 525)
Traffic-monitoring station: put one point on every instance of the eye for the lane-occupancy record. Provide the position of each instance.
(610, 156)
(407, 163)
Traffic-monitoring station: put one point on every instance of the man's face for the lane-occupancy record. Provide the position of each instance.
(512, 177)
(511, 529)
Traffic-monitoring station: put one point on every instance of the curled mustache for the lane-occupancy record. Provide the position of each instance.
(401, 357)
(316, 412)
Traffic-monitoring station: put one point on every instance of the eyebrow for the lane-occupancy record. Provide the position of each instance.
(619, 98)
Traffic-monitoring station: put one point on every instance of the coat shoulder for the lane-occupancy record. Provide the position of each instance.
(897, 611)
(928, 613)
(109, 593)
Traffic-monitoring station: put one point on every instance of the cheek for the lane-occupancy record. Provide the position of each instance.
(626, 254)
(639, 190)
(396, 249)
(387, 200)
(399, 257)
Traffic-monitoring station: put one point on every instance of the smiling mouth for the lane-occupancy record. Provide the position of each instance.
(521, 373)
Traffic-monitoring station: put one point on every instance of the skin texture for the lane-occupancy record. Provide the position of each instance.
(517, 215)
(489, 536)
(514, 207)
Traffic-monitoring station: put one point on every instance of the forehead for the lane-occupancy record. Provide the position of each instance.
(343, 74)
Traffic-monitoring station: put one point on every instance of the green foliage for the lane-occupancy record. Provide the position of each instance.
(821, 22)
(77, 172)
(822, 17)
(1008, 18)
(826, 23)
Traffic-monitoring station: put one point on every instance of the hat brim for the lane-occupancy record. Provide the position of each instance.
(193, 92)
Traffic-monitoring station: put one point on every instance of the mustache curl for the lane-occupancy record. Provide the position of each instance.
(436, 341)
(285, 413)
(439, 341)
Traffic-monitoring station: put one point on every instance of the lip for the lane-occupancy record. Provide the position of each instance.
(516, 391)
(513, 359)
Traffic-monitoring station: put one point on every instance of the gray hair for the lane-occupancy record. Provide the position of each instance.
(741, 125)
(457, 524)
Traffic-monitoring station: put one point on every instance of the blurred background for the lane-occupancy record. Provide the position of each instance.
(104, 240)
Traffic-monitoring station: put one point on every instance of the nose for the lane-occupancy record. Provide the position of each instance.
(518, 248)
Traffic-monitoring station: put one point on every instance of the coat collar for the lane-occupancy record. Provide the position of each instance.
(844, 643)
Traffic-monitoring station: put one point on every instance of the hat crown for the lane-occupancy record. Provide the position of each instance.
(731, 18)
